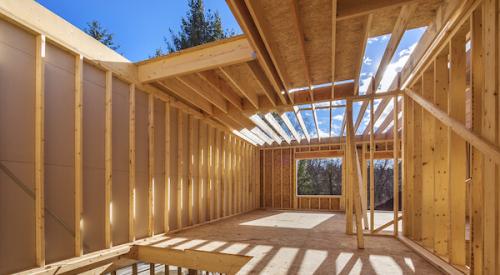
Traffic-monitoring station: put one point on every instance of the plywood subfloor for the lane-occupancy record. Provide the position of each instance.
(294, 242)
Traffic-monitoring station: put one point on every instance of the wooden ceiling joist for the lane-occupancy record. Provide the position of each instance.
(218, 84)
(259, 122)
(205, 57)
(274, 123)
(198, 85)
(258, 132)
(263, 82)
(366, 30)
(182, 91)
(244, 19)
(290, 126)
(298, 115)
(241, 84)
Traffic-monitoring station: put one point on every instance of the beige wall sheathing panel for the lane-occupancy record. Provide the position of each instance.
(159, 174)
(59, 153)
(120, 156)
(93, 158)
(184, 156)
(17, 104)
(141, 164)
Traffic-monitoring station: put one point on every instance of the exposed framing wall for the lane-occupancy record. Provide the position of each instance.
(93, 160)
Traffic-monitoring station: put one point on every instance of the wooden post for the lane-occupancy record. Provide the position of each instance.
(131, 166)
(151, 163)
(354, 174)
(211, 184)
(39, 150)
(395, 149)
(191, 167)
(428, 145)
(417, 169)
(456, 148)
(490, 131)
(217, 187)
(168, 181)
(441, 175)
(108, 158)
(477, 73)
(180, 170)
(372, 168)
(364, 173)
(78, 154)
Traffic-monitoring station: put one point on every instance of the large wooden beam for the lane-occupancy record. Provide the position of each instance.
(348, 9)
(192, 259)
(209, 56)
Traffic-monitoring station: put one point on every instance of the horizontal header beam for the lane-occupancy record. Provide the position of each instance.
(209, 56)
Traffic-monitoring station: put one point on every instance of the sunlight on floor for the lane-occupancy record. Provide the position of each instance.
(297, 220)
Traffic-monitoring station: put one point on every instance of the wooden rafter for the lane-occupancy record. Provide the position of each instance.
(274, 123)
(396, 35)
(262, 81)
(366, 31)
(198, 85)
(298, 115)
(290, 126)
(243, 17)
(388, 119)
(258, 132)
(209, 56)
(261, 24)
(259, 122)
(241, 84)
(218, 84)
(182, 91)
(300, 37)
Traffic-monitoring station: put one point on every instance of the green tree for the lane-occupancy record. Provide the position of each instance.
(197, 27)
(98, 32)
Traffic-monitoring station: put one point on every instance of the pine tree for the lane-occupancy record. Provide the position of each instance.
(98, 32)
(197, 27)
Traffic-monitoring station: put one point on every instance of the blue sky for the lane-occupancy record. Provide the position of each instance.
(138, 26)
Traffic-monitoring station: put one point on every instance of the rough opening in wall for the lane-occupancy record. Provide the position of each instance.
(319, 177)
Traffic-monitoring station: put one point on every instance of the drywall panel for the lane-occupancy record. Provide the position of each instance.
(173, 168)
(159, 169)
(59, 153)
(141, 165)
(17, 105)
(120, 156)
(93, 158)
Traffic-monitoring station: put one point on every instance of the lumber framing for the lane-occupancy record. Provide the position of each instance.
(78, 154)
(226, 52)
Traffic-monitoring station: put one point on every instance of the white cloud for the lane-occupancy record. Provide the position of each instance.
(396, 66)
(385, 37)
(372, 39)
(367, 60)
(339, 117)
